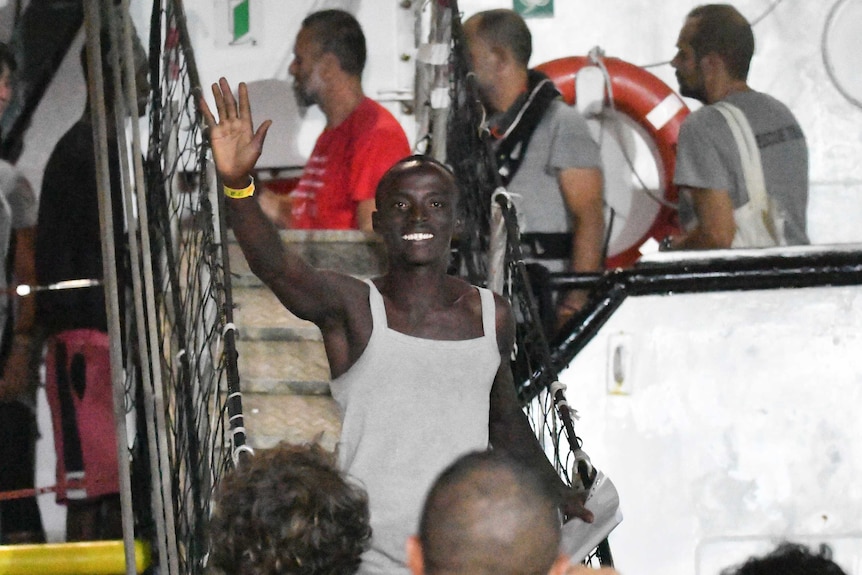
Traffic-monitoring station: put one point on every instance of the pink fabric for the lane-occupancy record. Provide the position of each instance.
(345, 166)
(88, 413)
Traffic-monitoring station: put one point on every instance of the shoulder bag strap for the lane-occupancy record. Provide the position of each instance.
(749, 155)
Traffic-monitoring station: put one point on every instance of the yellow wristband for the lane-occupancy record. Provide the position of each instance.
(239, 194)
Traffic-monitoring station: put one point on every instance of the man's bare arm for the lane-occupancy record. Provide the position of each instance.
(25, 342)
(508, 427)
(236, 146)
(581, 189)
(715, 227)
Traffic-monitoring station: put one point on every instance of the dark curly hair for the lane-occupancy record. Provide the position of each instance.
(289, 510)
(789, 559)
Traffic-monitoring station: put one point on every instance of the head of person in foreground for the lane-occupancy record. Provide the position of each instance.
(288, 510)
(487, 514)
(789, 559)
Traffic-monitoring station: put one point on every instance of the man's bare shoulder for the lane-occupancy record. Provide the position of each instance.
(464, 294)
(503, 317)
(469, 294)
(345, 287)
(345, 324)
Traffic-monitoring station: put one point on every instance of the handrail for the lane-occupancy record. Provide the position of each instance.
(667, 273)
(80, 558)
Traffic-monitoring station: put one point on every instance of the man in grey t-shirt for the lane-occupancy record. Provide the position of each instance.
(545, 154)
(715, 48)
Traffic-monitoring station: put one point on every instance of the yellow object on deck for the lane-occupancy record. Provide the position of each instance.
(84, 558)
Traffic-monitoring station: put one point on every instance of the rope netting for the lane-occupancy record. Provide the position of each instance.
(197, 414)
(489, 255)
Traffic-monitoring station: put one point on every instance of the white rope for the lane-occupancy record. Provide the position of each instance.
(560, 386)
(523, 109)
(501, 191)
(596, 56)
(557, 386)
(238, 450)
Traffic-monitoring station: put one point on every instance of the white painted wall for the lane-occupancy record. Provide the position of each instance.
(739, 425)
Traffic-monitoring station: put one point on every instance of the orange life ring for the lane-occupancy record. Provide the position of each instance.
(650, 103)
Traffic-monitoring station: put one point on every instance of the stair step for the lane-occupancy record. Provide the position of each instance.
(283, 366)
(284, 374)
(356, 253)
(294, 418)
(259, 315)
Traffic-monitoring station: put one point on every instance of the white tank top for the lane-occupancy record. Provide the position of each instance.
(410, 407)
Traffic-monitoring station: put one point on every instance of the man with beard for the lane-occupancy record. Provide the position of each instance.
(545, 154)
(361, 140)
(715, 48)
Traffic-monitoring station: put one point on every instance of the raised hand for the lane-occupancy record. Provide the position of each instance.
(235, 144)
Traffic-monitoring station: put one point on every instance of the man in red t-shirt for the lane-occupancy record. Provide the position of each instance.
(362, 139)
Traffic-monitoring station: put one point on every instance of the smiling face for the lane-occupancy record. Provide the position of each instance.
(689, 72)
(416, 212)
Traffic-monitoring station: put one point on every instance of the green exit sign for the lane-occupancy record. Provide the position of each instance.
(241, 17)
(534, 8)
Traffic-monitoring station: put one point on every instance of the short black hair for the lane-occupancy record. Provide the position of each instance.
(489, 514)
(722, 30)
(339, 33)
(414, 163)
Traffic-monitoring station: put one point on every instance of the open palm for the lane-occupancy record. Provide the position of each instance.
(235, 144)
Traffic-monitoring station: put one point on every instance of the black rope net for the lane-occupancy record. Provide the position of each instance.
(467, 155)
(470, 155)
(197, 414)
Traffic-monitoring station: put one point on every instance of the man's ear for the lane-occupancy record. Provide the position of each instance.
(502, 57)
(328, 65)
(414, 556)
(711, 64)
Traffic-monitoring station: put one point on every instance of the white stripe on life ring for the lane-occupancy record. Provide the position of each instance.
(664, 111)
